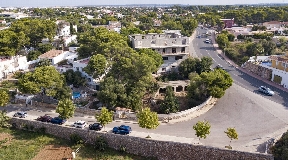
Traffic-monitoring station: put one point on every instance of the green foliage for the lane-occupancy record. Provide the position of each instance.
(4, 97)
(148, 119)
(96, 66)
(43, 48)
(74, 78)
(34, 30)
(11, 42)
(105, 117)
(4, 119)
(222, 40)
(65, 108)
(202, 129)
(231, 133)
(63, 93)
(76, 139)
(33, 55)
(43, 63)
(170, 103)
(194, 65)
(44, 80)
(207, 84)
(280, 149)
(157, 58)
(100, 143)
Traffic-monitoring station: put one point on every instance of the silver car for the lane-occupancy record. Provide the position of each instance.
(266, 90)
(20, 114)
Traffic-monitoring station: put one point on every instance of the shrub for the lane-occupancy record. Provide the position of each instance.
(100, 143)
(280, 149)
(76, 139)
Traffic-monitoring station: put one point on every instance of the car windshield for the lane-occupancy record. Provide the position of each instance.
(268, 89)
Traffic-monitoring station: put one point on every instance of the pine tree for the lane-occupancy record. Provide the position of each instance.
(170, 104)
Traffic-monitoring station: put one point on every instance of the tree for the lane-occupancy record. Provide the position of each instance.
(74, 78)
(204, 65)
(65, 108)
(33, 55)
(45, 80)
(148, 119)
(43, 48)
(222, 40)
(96, 66)
(280, 149)
(11, 42)
(187, 66)
(63, 93)
(4, 97)
(157, 58)
(170, 103)
(202, 129)
(4, 119)
(231, 134)
(105, 117)
(43, 63)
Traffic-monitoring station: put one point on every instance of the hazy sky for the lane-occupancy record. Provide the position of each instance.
(49, 3)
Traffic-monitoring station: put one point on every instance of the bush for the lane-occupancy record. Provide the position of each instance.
(280, 149)
(76, 139)
(100, 143)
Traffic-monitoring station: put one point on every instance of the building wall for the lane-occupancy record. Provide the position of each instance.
(13, 64)
(162, 150)
(262, 71)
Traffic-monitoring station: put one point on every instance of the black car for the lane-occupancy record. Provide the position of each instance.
(44, 118)
(95, 126)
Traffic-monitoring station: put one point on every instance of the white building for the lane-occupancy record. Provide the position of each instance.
(12, 64)
(173, 47)
(79, 65)
(64, 28)
(56, 56)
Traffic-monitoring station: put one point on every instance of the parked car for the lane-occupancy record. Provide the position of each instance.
(80, 124)
(20, 114)
(207, 41)
(58, 120)
(219, 66)
(122, 130)
(95, 126)
(44, 118)
(266, 90)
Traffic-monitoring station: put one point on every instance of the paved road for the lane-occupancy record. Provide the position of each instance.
(256, 117)
(203, 49)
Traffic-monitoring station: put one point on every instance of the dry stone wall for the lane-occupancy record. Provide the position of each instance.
(162, 150)
(261, 71)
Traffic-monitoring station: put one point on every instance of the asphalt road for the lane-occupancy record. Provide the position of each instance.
(256, 117)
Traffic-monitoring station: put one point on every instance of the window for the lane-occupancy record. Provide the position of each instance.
(173, 50)
(163, 50)
(165, 58)
(183, 49)
(283, 64)
(178, 57)
(77, 68)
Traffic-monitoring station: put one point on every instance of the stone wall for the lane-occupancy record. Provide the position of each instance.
(163, 150)
(261, 71)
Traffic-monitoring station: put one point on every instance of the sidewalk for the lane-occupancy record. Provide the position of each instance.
(219, 51)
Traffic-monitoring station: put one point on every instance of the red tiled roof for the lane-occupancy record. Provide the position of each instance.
(50, 54)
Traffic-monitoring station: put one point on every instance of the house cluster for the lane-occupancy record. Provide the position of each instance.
(112, 26)
(274, 27)
(279, 66)
(173, 47)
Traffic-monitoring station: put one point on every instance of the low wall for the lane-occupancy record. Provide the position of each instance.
(261, 71)
(163, 150)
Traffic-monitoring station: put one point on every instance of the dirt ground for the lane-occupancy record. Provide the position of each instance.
(4, 136)
(54, 152)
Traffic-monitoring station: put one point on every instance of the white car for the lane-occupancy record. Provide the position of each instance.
(80, 124)
(20, 114)
(207, 41)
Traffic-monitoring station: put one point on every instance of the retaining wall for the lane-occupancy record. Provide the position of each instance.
(163, 150)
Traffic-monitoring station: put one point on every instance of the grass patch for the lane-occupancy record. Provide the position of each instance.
(21, 144)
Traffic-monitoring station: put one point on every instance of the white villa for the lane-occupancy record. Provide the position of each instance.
(12, 64)
(56, 56)
(171, 45)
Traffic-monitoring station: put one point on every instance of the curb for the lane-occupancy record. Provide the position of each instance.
(245, 71)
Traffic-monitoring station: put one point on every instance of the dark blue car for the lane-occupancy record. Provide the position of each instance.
(58, 120)
(122, 130)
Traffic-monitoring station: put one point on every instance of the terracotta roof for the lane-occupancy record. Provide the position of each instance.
(50, 54)
(279, 58)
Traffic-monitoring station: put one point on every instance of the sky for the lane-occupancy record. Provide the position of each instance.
(53, 3)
